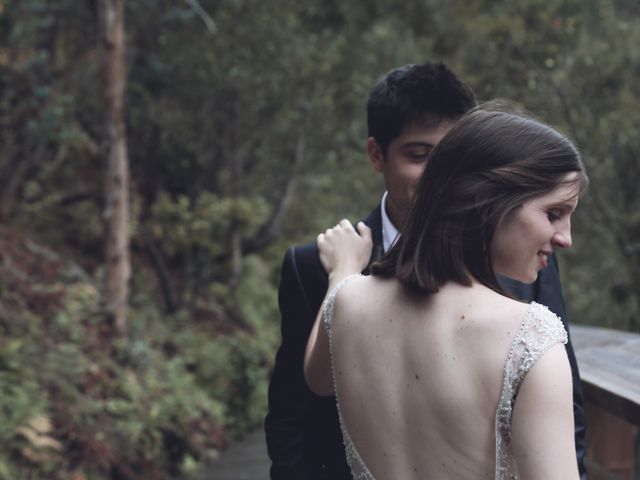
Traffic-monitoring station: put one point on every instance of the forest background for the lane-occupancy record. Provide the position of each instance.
(246, 133)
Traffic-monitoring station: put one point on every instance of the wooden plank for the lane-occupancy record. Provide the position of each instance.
(610, 445)
(609, 362)
(597, 472)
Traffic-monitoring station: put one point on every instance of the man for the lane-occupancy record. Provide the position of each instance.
(408, 112)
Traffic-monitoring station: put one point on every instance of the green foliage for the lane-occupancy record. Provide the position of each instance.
(163, 399)
(20, 392)
(207, 224)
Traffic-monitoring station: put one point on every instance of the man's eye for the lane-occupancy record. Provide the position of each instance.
(418, 155)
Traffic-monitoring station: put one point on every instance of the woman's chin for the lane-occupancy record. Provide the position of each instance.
(528, 278)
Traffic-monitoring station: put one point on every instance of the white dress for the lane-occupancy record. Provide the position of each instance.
(540, 330)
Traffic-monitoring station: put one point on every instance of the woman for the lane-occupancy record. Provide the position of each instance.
(437, 372)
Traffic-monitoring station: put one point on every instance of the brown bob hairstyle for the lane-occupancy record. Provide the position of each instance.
(488, 165)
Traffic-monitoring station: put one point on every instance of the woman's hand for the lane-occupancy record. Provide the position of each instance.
(344, 251)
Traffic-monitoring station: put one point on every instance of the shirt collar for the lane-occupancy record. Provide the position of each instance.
(390, 233)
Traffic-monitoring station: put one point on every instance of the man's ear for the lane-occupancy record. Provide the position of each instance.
(375, 154)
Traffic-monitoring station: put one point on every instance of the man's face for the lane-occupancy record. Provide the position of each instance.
(404, 162)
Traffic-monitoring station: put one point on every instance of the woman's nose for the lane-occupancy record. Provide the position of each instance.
(562, 238)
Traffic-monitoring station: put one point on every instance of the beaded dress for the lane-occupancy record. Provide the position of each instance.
(540, 330)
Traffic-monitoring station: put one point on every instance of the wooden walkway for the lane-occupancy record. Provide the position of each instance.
(609, 362)
(244, 460)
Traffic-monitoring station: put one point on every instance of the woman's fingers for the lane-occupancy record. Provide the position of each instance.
(364, 231)
(343, 248)
(344, 223)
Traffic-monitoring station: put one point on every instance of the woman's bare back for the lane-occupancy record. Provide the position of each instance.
(418, 378)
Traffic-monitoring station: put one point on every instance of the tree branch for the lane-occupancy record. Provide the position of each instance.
(270, 230)
(159, 265)
(204, 16)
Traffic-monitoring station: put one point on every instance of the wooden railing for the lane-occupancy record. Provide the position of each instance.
(609, 362)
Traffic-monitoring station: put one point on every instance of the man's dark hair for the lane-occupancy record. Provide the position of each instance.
(415, 94)
(487, 166)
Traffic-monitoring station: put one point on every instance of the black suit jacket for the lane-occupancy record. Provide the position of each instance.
(302, 429)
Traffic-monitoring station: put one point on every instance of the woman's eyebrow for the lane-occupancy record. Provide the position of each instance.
(566, 205)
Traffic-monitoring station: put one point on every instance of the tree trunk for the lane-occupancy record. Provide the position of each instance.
(116, 209)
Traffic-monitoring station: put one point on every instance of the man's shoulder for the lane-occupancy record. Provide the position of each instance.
(303, 256)
(305, 251)
(303, 260)
(302, 265)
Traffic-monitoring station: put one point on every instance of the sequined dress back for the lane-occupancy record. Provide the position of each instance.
(540, 330)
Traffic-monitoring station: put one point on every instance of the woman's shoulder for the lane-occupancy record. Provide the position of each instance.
(542, 327)
(362, 294)
(489, 317)
(495, 308)
(531, 325)
(368, 285)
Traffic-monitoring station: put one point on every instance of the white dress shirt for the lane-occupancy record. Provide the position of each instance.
(389, 231)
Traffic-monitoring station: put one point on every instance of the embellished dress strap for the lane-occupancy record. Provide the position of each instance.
(359, 470)
(541, 329)
(330, 302)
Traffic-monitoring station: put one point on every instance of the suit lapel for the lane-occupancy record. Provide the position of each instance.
(374, 222)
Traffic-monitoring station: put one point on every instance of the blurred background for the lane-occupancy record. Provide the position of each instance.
(245, 133)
